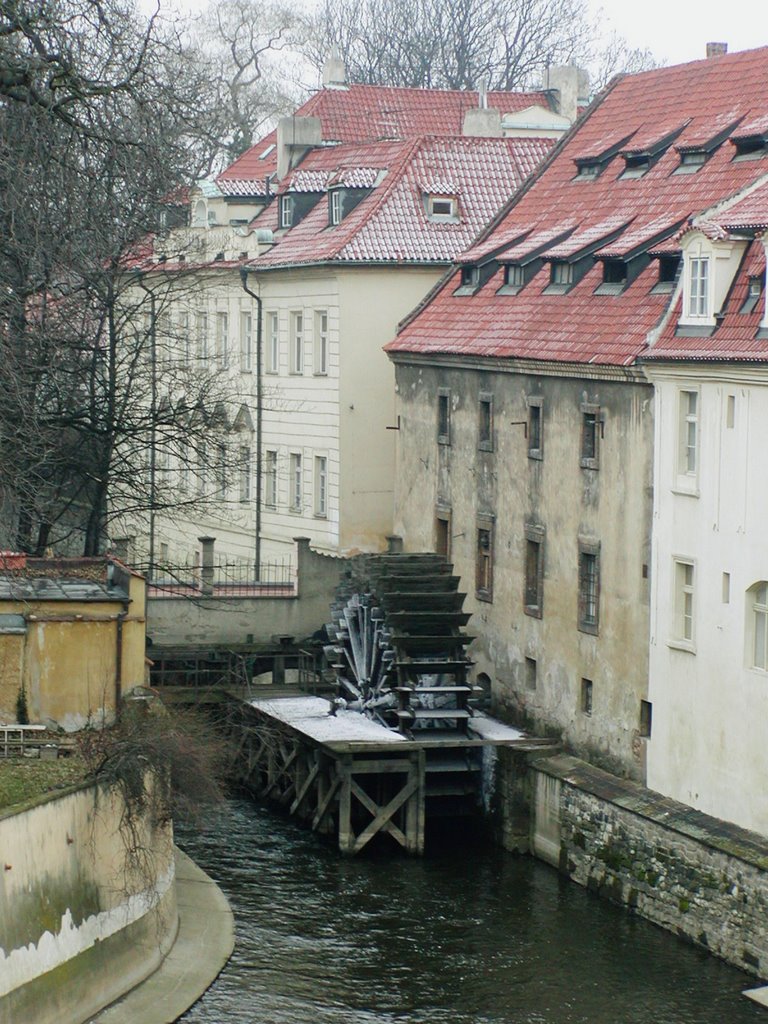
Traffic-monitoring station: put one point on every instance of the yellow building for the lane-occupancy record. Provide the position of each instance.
(72, 636)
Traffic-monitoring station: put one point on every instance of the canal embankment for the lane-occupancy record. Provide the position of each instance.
(703, 879)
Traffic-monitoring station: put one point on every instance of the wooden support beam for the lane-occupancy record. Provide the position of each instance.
(313, 773)
(324, 803)
(346, 835)
(373, 808)
(384, 816)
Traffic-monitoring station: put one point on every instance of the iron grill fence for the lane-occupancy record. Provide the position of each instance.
(235, 578)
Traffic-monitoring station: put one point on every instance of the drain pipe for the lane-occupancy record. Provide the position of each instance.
(257, 538)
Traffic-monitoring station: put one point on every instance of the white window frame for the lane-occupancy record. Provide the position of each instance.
(245, 473)
(202, 336)
(699, 286)
(321, 486)
(246, 341)
(286, 211)
(757, 627)
(297, 342)
(438, 214)
(222, 338)
(683, 603)
(273, 342)
(321, 343)
(335, 211)
(688, 449)
(295, 481)
(185, 338)
(270, 478)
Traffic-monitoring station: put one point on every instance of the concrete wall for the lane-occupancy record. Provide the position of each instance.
(710, 699)
(79, 923)
(225, 620)
(693, 875)
(609, 505)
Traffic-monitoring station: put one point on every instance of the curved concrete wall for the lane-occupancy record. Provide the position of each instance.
(81, 920)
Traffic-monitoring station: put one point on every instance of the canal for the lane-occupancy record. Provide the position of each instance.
(467, 935)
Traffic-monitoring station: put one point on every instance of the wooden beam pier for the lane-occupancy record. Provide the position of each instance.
(351, 779)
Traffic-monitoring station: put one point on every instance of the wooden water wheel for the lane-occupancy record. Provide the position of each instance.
(399, 651)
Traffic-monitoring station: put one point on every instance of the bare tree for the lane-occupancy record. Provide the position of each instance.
(457, 43)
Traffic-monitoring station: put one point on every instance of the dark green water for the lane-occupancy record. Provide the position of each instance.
(464, 936)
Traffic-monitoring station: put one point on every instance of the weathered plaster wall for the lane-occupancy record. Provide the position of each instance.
(223, 620)
(79, 924)
(691, 874)
(609, 505)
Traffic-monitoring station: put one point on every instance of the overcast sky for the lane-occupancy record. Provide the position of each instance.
(678, 30)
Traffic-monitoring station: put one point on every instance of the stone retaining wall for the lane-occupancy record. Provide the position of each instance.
(701, 878)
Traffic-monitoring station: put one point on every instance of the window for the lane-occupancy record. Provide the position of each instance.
(759, 600)
(222, 338)
(245, 473)
(668, 268)
(200, 216)
(273, 343)
(754, 291)
(484, 560)
(698, 286)
(202, 468)
(726, 588)
(202, 336)
(294, 483)
(441, 209)
(730, 412)
(586, 696)
(443, 416)
(646, 718)
(530, 673)
(443, 534)
(614, 272)
(297, 343)
(221, 470)
(270, 489)
(470, 280)
(335, 212)
(184, 467)
(533, 599)
(589, 586)
(185, 338)
(535, 428)
(321, 343)
(514, 275)
(286, 211)
(590, 436)
(687, 451)
(684, 601)
(485, 424)
(561, 273)
(321, 486)
(246, 342)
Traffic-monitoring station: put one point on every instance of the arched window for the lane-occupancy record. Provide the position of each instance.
(200, 216)
(757, 626)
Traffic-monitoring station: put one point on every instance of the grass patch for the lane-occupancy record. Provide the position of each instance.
(23, 779)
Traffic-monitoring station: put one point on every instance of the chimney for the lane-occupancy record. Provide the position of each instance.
(569, 89)
(716, 49)
(482, 121)
(334, 71)
(295, 137)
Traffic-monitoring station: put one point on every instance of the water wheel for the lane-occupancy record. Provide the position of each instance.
(400, 650)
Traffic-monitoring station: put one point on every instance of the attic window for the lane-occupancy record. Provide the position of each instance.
(334, 209)
(614, 272)
(286, 211)
(470, 281)
(749, 147)
(635, 165)
(691, 160)
(442, 209)
(514, 275)
(669, 267)
(589, 169)
(754, 291)
(561, 272)
(267, 151)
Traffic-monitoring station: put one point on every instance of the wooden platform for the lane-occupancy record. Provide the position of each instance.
(349, 777)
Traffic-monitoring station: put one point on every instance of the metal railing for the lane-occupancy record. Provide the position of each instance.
(236, 578)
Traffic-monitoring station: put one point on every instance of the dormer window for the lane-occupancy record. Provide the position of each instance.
(442, 209)
(589, 169)
(514, 275)
(334, 209)
(669, 266)
(286, 211)
(614, 272)
(754, 291)
(635, 165)
(561, 273)
(698, 286)
(691, 160)
(750, 147)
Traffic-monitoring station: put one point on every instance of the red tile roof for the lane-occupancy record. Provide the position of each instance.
(372, 113)
(391, 223)
(580, 326)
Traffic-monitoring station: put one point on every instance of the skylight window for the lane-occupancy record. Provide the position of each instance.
(442, 209)
(267, 151)
(754, 291)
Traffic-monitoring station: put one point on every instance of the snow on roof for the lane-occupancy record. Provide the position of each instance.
(372, 113)
(392, 223)
(582, 325)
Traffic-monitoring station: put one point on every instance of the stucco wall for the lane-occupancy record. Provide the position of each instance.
(692, 875)
(710, 702)
(225, 620)
(79, 924)
(609, 505)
